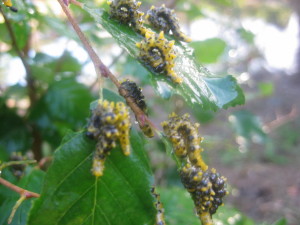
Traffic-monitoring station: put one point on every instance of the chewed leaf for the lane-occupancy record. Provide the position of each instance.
(199, 86)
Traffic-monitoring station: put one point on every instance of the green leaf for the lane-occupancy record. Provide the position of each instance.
(246, 35)
(281, 221)
(266, 88)
(248, 126)
(179, 209)
(16, 91)
(64, 106)
(108, 95)
(32, 182)
(210, 50)
(135, 69)
(169, 148)
(21, 30)
(47, 69)
(190, 9)
(163, 89)
(66, 101)
(225, 2)
(199, 87)
(72, 195)
(14, 134)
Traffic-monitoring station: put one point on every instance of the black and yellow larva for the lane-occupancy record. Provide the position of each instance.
(157, 53)
(109, 122)
(9, 4)
(160, 217)
(185, 138)
(207, 188)
(126, 12)
(165, 19)
(136, 94)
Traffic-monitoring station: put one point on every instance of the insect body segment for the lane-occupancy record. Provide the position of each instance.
(126, 11)
(136, 94)
(109, 122)
(158, 53)
(207, 188)
(9, 4)
(160, 218)
(185, 138)
(164, 19)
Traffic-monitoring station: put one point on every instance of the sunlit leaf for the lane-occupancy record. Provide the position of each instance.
(266, 88)
(199, 87)
(246, 35)
(209, 51)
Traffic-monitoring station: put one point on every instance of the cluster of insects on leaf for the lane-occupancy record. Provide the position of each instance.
(110, 122)
(156, 52)
(207, 188)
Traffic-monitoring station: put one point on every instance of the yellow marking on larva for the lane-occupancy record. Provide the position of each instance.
(206, 218)
(115, 125)
(98, 167)
(7, 3)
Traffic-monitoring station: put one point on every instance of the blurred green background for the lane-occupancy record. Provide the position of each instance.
(256, 146)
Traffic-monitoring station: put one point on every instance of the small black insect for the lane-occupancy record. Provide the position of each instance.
(164, 19)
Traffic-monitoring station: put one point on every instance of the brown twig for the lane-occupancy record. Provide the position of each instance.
(21, 191)
(109, 66)
(101, 69)
(31, 86)
(280, 120)
(14, 41)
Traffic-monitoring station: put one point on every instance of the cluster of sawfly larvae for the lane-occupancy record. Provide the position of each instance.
(9, 4)
(165, 19)
(160, 218)
(136, 94)
(156, 51)
(109, 123)
(126, 11)
(207, 188)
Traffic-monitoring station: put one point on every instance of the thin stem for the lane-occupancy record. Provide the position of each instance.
(21, 191)
(14, 42)
(109, 66)
(31, 86)
(10, 163)
(101, 69)
(16, 206)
